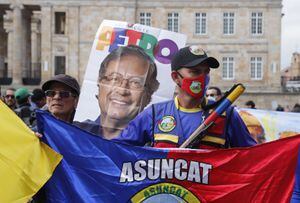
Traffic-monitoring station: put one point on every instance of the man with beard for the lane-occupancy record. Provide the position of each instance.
(126, 82)
(170, 123)
(9, 98)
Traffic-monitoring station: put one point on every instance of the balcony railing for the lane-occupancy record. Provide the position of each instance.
(290, 84)
(32, 76)
(5, 74)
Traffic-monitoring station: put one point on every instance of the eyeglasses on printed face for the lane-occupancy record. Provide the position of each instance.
(62, 94)
(116, 79)
(9, 96)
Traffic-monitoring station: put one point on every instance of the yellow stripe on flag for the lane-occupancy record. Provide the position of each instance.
(25, 162)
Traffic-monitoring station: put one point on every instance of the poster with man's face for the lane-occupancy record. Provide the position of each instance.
(121, 78)
(266, 126)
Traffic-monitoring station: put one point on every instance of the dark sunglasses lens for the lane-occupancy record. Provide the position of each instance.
(50, 93)
(10, 96)
(64, 94)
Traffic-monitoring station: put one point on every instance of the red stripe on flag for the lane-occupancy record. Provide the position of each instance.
(263, 173)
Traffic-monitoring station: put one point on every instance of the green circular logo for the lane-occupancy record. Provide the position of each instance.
(167, 124)
(164, 192)
(195, 87)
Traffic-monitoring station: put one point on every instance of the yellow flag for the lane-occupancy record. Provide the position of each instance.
(25, 162)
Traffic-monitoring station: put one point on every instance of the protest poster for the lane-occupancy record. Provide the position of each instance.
(159, 44)
(265, 125)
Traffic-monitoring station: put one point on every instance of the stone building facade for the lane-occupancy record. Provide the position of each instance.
(290, 78)
(41, 38)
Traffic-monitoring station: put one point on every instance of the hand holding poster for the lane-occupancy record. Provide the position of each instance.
(117, 101)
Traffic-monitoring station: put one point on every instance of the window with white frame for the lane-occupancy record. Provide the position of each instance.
(228, 23)
(173, 22)
(256, 68)
(228, 68)
(200, 23)
(145, 19)
(256, 23)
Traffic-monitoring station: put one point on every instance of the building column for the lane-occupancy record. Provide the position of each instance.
(17, 44)
(8, 26)
(36, 44)
(46, 36)
(73, 49)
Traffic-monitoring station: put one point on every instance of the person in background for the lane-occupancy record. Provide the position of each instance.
(62, 92)
(38, 101)
(250, 104)
(24, 109)
(296, 108)
(38, 98)
(279, 108)
(9, 98)
(213, 93)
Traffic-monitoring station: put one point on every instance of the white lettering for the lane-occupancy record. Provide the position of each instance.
(167, 168)
(153, 169)
(141, 172)
(194, 172)
(127, 173)
(205, 172)
(179, 165)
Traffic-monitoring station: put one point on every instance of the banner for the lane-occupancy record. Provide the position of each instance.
(159, 44)
(267, 126)
(98, 170)
(25, 163)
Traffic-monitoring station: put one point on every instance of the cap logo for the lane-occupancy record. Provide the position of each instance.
(195, 87)
(196, 50)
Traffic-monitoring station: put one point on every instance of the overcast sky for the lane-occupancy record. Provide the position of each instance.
(290, 31)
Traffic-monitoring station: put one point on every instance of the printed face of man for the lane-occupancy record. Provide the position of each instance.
(121, 89)
(61, 104)
(9, 98)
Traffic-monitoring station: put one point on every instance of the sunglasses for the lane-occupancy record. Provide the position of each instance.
(62, 94)
(10, 96)
(211, 95)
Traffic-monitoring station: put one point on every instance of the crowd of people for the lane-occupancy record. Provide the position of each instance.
(126, 83)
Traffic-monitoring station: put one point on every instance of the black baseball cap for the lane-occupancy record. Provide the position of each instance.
(64, 79)
(191, 56)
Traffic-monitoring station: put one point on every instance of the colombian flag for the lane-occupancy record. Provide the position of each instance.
(98, 170)
(25, 163)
